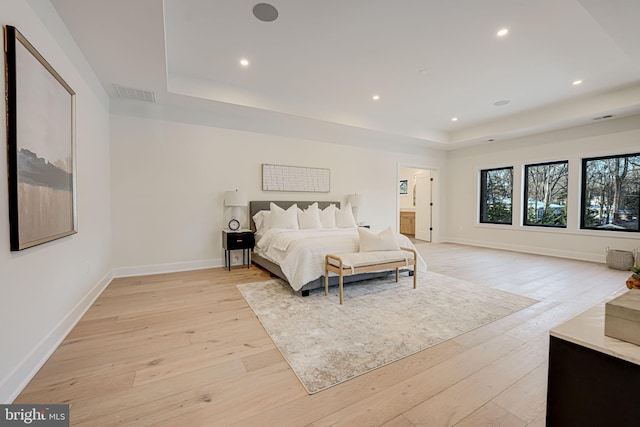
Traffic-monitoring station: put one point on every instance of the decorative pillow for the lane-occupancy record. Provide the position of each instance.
(382, 241)
(344, 217)
(309, 218)
(328, 216)
(284, 219)
(262, 221)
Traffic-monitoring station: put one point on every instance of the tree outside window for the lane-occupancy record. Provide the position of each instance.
(611, 193)
(496, 194)
(545, 194)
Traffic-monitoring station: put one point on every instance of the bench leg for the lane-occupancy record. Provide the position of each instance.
(415, 275)
(397, 272)
(326, 281)
(340, 283)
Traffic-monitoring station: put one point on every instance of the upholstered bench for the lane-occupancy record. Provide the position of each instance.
(362, 262)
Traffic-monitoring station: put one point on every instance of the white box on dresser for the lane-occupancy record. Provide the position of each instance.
(622, 317)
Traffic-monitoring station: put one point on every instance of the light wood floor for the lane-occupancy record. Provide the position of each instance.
(185, 349)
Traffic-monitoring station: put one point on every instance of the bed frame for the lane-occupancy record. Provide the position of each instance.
(256, 206)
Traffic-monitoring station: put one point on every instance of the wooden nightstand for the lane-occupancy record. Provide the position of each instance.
(242, 239)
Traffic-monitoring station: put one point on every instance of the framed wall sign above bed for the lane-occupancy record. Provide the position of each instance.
(294, 178)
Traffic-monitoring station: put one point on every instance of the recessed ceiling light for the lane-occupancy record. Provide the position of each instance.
(454, 119)
(503, 32)
(375, 97)
(244, 62)
(577, 82)
(501, 102)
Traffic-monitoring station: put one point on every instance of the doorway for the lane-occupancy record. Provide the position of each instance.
(416, 203)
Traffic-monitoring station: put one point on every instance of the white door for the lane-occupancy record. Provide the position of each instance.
(423, 206)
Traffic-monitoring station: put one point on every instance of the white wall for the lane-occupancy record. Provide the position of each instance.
(618, 136)
(169, 178)
(45, 289)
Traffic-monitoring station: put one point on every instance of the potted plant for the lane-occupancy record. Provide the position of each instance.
(633, 282)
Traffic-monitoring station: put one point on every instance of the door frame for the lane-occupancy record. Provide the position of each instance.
(435, 196)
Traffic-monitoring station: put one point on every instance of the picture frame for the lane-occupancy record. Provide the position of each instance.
(404, 186)
(295, 178)
(40, 147)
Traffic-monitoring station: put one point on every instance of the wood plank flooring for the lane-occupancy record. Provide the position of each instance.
(185, 349)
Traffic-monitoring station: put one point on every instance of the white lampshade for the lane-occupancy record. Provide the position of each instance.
(355, 200)
(235, 198)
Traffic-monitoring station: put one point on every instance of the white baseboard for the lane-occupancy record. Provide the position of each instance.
(18, 379)
(581, 256)
(144, 270)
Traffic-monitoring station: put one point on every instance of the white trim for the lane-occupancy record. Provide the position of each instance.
(632, 235)
(18, 379)
(144, 270)
(436, 176)
(581, 256)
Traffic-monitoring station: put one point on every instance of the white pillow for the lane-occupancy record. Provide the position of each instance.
(382, 241)
(284, 219)
(309, 218)
(344, 217)
(328, 216)
(262, 221)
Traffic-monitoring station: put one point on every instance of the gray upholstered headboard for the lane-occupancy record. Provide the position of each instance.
(256, 206)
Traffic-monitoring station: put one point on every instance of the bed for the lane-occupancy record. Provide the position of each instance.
(297, 256)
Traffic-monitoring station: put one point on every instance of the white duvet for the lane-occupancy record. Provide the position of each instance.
(300, 253)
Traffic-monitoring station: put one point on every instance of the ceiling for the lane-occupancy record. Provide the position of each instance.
(314, 70)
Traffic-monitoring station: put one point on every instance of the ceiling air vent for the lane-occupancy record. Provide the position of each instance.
(608, 116)
(136, 94)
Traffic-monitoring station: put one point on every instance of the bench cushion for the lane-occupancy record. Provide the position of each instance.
(362, 259)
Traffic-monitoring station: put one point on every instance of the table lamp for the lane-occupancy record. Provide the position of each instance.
(234, 200)
(356, 201)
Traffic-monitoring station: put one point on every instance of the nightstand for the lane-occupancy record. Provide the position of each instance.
(241, 239)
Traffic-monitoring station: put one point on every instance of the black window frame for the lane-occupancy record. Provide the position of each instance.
(583, 194)
(483, 194)
(525, 209)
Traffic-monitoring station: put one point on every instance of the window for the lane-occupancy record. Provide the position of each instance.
(611, 193)
(496, 192)
(545, 194)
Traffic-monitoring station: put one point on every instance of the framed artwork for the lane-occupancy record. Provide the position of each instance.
(404, 187)
(40, 147)
(295, 178)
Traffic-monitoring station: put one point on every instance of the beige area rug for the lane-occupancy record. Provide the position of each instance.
(381, 321)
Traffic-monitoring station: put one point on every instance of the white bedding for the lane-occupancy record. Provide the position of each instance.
(300, 253)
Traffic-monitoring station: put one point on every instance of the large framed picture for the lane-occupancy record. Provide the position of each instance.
(41, 147)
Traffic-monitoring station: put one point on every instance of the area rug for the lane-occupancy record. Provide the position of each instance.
(381, 321)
